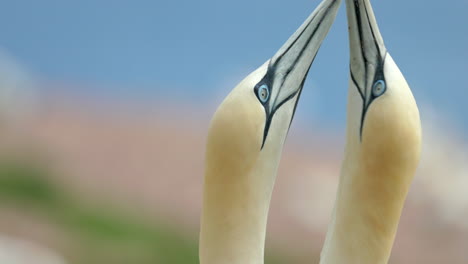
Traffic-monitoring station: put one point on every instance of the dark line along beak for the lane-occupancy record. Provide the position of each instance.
(288, 68)
(367, 50)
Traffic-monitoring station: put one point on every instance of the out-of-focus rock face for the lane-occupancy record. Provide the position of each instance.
(17, 251)
(154, 162)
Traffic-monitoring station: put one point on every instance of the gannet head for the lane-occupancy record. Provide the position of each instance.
(255, 117)
(383, 118)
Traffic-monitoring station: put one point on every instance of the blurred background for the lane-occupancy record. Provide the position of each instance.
(105, 105)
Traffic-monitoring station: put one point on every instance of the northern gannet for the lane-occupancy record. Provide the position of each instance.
(382, 149)
(244, 145)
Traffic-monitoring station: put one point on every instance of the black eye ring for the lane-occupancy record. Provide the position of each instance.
(379, 88)
(263, 93)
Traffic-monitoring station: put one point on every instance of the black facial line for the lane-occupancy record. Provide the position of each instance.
(304, 48)
(363, 55)
(267, 79)
(271, 72)
(302, 32)
(356, 84)
(361, 92)
(308, 40)
(378, 76)
(372, 31)
(294, 64)
(363, 113)
(297, 101)
(363, 116)
(265, 131)
(295, 40)
(270, 115)
(380, 63)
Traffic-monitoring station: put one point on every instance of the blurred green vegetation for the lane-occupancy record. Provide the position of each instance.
(97, 235)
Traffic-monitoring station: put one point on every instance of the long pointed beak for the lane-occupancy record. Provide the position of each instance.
(367, 49)
(367, 52)
(288, 68)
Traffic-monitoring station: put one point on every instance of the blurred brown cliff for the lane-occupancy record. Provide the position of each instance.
(150, 162)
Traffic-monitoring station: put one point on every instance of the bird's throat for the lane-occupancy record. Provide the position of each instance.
(234, 218)
(365, 217)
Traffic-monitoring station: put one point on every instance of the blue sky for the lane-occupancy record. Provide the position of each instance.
(196, 51)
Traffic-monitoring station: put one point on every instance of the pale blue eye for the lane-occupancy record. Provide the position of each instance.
(379, 88)
(263, 93)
